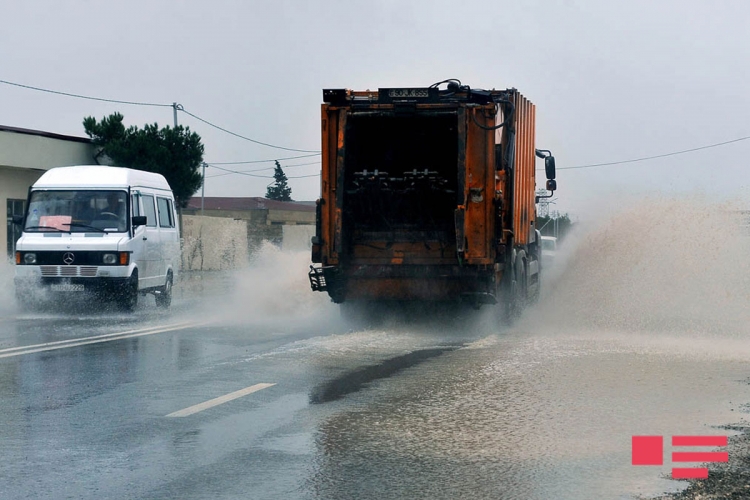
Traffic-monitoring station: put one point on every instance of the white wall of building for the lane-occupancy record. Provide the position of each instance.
(213, 243)
(26, 151)
(24, 157)
(14, 185)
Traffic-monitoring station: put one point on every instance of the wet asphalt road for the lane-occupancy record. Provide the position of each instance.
(102, 404)
(92, 400)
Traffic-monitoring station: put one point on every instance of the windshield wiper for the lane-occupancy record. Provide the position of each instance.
(46, 227)
(78, 224)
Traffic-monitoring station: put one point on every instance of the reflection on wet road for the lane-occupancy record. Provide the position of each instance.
(355, 380)
(277, 398)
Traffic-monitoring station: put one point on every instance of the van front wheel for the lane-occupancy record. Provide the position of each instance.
(129, 296)
(164, 295)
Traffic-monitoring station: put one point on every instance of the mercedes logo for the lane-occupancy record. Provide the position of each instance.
(68, 258)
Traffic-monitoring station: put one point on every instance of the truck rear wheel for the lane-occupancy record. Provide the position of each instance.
(513, 296)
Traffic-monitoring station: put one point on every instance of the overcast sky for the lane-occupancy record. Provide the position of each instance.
(611, 80)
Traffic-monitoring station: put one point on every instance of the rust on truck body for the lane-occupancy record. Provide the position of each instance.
(525, 183)
(426, 195)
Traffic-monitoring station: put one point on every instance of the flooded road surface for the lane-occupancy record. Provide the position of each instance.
(520, 417)
(252, 387)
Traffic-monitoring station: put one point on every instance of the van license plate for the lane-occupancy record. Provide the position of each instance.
(66, 288)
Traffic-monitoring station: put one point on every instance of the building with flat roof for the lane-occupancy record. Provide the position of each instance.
(251, 208)
(288, 224)
(24, 156)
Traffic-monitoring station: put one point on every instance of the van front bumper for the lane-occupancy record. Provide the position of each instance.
(31, 286)
(31, 280)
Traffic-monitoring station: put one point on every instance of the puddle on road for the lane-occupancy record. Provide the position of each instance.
(355, 380)
(630, 341)
(643, 333)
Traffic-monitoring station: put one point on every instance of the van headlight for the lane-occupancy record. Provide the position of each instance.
(29, 258)
(109, 258)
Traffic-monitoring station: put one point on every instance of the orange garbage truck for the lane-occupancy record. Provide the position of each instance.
(429, 194)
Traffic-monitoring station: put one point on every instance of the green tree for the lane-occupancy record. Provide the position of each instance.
(279, 190)
(176, 153)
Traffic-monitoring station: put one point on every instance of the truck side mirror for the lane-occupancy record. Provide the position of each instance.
(18, 220)
(551, 185)
(549, 167)
(139, 220)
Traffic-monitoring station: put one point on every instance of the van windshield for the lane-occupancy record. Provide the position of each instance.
(77, 211)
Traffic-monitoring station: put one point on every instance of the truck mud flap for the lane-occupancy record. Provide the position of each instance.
(328, 279)
(318, 281)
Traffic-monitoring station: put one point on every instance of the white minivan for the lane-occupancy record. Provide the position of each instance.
(108, 231)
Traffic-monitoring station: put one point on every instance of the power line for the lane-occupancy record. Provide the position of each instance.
(135, 103)
(243, 137)
(315, 153)
(271, 168)
(303, 176)
(261, 161)
(242, 173)
(79, 96)
(239, 172)
(674, 153)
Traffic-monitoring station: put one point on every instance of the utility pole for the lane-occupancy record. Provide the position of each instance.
(556, 222)
(203, 186)
(176, 107)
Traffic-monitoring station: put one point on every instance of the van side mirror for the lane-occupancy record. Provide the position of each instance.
(549, 167)
(139, 220)
(18, 220)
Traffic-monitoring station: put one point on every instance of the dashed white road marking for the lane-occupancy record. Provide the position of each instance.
(220, 400)
(96, 339)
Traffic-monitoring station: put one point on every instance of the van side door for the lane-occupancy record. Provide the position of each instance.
(152, 242)
(140, 239)
(167, 234)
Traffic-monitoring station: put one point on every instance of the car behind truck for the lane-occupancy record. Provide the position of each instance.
(428, 194)
(108, 231)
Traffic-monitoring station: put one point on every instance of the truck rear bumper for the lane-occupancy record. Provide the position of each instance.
(406, 283)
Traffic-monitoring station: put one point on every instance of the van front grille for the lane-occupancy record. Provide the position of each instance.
(69, 271)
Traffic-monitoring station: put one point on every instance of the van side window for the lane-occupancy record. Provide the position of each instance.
(136, 207)
(165, 212)
(149, 210)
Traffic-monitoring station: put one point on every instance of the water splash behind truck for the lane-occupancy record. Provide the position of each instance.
(428, 194)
